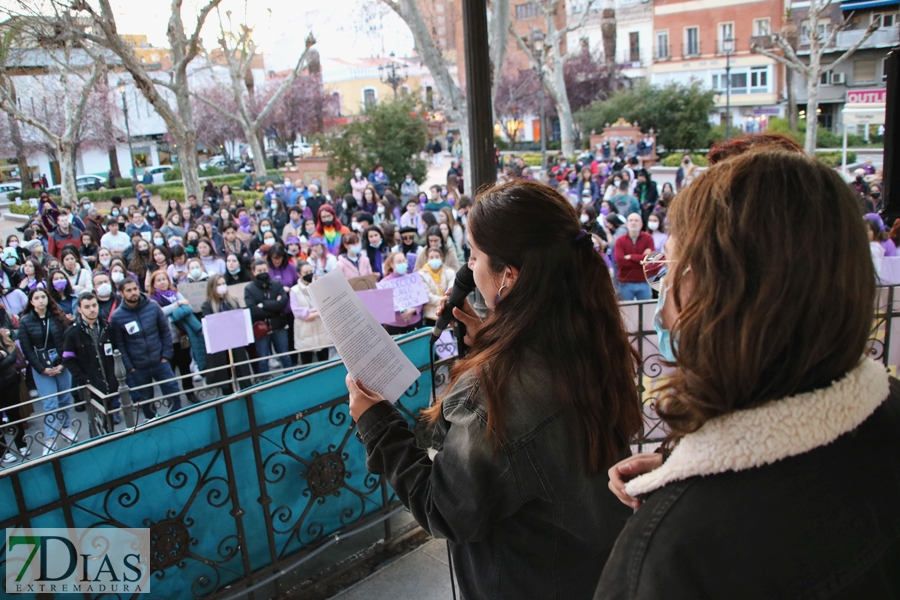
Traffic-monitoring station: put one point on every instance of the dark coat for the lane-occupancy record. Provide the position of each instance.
(272, 309)
(9, 374)
(87, 363)
(526, 523)
(141, 334)
(220, 359)
(32, 332)
(820, 524)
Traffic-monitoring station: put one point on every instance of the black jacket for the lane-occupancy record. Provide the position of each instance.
(821, 524)
(141, 334)
(272, 309)
(526, 523)
(88, 363)
(32, 332)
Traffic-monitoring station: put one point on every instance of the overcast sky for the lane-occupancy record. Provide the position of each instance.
(343, 28)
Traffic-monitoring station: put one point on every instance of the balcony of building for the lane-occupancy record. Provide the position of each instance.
(885, 37)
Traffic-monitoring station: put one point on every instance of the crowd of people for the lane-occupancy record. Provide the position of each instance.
(770, 397)
(78, 285)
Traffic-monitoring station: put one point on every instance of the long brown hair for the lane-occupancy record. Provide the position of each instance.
(774, 286)
(564, 304)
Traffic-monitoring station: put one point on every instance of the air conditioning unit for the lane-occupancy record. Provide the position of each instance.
(838, 78)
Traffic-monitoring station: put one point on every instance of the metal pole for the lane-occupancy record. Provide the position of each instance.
(541, 112)
(891, 157)
(478, 94)
(727, 92)
(128, 134)
(844, 152)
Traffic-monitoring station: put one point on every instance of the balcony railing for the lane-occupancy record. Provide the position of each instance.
(662, 52)
(690, 50)
(762, 41)
(886, 37)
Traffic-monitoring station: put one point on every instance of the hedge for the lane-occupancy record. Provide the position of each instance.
(25, 209)
(834, 159)
(674, 160)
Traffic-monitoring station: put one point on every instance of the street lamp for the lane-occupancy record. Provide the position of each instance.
(389, 75)
(728, 47)
(121, 88)
(537, 46)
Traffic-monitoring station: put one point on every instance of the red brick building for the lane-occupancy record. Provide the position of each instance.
(694, 39)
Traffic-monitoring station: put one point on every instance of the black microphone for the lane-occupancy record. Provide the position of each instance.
(462, 287)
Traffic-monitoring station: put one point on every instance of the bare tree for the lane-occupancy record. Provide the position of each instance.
(819, 43)
(302, 110)
(552, 64)
(68, 79)
(453, 100)
(185, 46)
(238, 51)
(212, 130)
(791, 35)
(516, 97)
(608, 30)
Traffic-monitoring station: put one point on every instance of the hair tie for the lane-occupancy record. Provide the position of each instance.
(580, 235)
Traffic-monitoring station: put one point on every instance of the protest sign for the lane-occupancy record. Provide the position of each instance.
(195, 293)
(366, 282)
(380, 303)
(237, 290)
(409, 291)
(227, 330)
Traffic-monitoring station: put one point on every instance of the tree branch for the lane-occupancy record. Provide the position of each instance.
(854, 47)
(215, 106)
(584, 16)
(310, 41)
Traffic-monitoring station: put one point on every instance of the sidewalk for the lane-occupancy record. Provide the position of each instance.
(423, 574)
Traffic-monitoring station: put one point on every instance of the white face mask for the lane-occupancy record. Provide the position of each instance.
(380, 210)
(221, 289)
(104, 289)
(270, 241)
(583, 218)
(653, 225)
(117, 277)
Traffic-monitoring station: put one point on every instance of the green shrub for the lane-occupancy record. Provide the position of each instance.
(501, 143)
(833, 159)
(24, 209)
(674, 160)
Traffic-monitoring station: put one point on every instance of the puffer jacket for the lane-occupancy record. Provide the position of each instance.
(272, 309)
(141, 333)
(32, 332)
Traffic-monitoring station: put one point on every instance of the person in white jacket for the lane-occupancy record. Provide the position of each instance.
(310, 336)
(438, 278)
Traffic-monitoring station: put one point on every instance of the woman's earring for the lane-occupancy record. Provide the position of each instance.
(500, 291)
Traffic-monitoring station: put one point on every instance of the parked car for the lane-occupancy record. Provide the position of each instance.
(214, 162)
(158, 173)
(302, 149)
(89, 183)
(9, 190)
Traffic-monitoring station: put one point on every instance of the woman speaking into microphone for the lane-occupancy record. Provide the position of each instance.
(542, 405)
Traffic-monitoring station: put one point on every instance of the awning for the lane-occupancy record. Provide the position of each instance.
(860, 4)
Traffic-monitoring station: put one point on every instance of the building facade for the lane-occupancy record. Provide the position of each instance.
(699, 40)
(863, 71)
(634, 34)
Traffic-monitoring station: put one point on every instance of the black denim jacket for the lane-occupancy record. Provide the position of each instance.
(526, 523)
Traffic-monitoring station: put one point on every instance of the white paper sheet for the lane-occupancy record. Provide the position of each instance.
(367, 350)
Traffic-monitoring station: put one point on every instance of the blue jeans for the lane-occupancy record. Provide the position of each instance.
(47, 385)
(279, 339)
(159, 372)
(634, 291)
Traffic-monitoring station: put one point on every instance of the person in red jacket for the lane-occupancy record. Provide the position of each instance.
(63, 234)
(630, 251)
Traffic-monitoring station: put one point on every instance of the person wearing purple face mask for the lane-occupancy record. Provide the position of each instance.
(61, 291)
